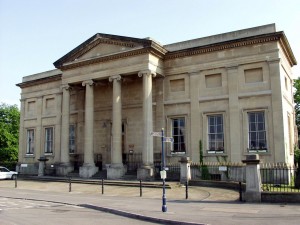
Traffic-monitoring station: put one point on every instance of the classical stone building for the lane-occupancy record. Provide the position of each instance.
(95, 111)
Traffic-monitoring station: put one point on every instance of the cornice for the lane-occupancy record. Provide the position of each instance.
(39, 81)
(278, 36)
(287, 50)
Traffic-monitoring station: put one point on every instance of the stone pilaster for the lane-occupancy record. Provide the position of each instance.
(116, 169)
(88, 169)
(195, 122)
(234, 115)
(277, 111)
(146, 171)
(39, 146)
(65, 167)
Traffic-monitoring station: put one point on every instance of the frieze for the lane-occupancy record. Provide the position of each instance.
(219, 47)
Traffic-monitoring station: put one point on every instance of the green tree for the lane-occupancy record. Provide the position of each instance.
(297, 102)
(297, 115)
(9, 132)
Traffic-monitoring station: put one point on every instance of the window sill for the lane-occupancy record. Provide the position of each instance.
(257, 151)
(29, 156)
(176, 154)
(215, 152)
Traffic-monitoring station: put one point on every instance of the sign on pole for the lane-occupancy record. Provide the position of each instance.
(169, 139)
(155, 134)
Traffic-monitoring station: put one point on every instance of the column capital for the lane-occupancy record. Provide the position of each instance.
(146, 72)
(87, 82)
(114, 77)
(66, 87)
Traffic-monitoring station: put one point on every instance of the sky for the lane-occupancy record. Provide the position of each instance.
(35, 33)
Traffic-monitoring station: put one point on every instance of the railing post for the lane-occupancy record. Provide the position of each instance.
(240, 191)
(70, 184)
(102, 186)
(186, 190)
(141, 192)
(185, 169)
(16, 181)
(253, 179)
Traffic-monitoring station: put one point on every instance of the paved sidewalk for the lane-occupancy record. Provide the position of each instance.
(204, 206)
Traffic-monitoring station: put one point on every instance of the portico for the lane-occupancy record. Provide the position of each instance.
(116, 169)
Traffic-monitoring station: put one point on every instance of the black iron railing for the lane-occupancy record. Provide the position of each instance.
(280, 178)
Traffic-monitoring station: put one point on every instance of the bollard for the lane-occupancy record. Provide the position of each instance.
(141, 192)
(240, 191)
(16, 182)
(70, 184)
(186, 190)
(102, 186)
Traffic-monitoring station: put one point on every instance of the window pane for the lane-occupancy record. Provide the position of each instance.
(30, 142)
(178, 132)
(257, 133)
(49, 140)
(211, 129)
(215, 133)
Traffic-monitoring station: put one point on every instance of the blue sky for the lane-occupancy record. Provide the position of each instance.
(35, 33)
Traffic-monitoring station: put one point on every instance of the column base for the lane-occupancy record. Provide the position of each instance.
(145, 173)
(88, 170)
(64, 169)
(250, 196)
(115, 171)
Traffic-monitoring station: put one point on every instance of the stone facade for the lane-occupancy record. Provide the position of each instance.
(232, 91)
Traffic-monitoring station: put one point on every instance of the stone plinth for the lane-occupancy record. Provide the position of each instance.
(253, 179)
(185, 169)
(64, 169)
(87, 171)
(115, 171)
(145, 173)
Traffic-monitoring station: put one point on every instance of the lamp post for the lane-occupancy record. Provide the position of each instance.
(163, 164)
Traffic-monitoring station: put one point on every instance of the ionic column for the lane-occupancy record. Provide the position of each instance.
(89, 123)
(116, 153)
(147, 156)
(65, 167)
(88, 169)
(65, 159)
(116, 169)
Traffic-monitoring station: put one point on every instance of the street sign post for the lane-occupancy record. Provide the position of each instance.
(155, 134)
(163, 172)
(168, 139)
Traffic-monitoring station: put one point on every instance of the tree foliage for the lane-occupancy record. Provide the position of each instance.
(9, 132)
(297, 102)
(297, 115)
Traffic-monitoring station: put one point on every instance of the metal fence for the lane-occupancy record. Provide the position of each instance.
(274, 177)
(280, 178)
(218, 171)
(173, 171)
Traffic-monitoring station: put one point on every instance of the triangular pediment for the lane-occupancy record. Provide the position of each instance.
(103, 49)
(101, 45)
